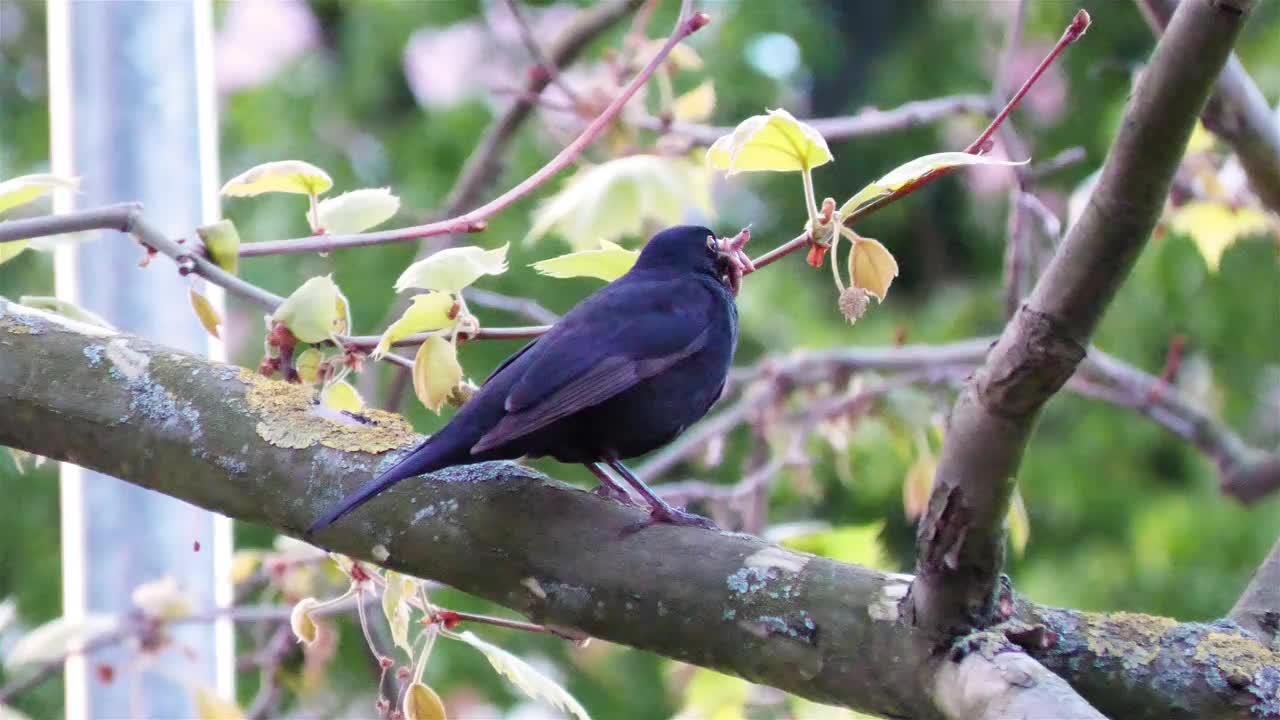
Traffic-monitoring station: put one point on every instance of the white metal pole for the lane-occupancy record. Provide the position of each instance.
(133, 115)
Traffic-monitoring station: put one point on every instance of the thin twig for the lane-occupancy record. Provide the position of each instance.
(865, 123)
(527, 307)
(543, 64)
(476, 220)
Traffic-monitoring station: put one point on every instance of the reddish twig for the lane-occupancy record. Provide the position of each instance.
(476, 220)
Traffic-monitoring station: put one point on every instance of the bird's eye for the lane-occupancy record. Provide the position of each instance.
(712, 245)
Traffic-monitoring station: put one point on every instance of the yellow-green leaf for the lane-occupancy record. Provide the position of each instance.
(872, 267)
(776, 141)
(525, 676)
(290, 176)
(435, 372)
(244, 563)
(913, 170)
(340, 396)
(211, 706)
(357, 211)
(1201, 139)
(429, 311)
(1019, 523)
(21, 190)
(307, 363)
(205, 311)
(622, 198)
(53, 640)
(315, 311)
(453, 269)
(1214, 226)
(162, 600)
(222, 242)
(858, 544)
(682, 57)
(65, 308)
(609, 263)
(395, 607)
(697, 104)
(300, 621)
(12, 249)
(422, 703)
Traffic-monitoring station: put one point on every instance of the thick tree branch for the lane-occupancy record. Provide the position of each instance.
(1258, 609)
(1238, 113)
(961, 538)
(261, 451)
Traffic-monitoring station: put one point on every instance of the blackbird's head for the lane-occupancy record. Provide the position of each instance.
(691, 248)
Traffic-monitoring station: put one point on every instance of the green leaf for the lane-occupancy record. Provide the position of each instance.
(12, 249)
(56, 638)
(911, 171)
(859, 544)
(307, 364)
(429, 311)
(524, 676)
(341, 396)
(395, 606)
(776, 141)
(435, 372)
(1215, 226)
(357, 211)
(453, 269)
(289, 176)
(609, 263)
(22, 190)
(422, 703)
(622, 198)
(210, 706)
(315, 311)
(1019, 523)
(64, 308)
(222, 242)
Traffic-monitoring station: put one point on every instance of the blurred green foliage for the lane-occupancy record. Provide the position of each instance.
(1123, 515)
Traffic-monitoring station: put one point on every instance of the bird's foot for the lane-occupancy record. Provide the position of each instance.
(676, 516)
(667, 515)
(613, 492)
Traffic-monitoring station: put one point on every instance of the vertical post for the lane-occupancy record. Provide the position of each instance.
(133, 115)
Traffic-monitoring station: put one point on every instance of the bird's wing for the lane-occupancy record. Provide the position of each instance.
(593, 355)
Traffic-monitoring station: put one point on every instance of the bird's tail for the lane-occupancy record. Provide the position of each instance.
(428, 457)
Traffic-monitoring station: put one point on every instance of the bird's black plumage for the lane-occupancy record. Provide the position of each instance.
(622, 373)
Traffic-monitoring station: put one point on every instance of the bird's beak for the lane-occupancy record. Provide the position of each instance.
(734, 259)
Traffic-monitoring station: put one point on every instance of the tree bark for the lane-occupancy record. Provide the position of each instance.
(961, 538)
(261, 451)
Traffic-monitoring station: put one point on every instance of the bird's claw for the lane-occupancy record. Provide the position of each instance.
(612, 492)
(675, 516)
(667, 515)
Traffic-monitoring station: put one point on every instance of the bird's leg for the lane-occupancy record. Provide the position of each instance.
(608, 487)
(659, 510)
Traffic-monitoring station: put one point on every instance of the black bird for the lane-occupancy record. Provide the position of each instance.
(622, 373)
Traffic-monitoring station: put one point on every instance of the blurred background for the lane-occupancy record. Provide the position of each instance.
(1122, 515)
